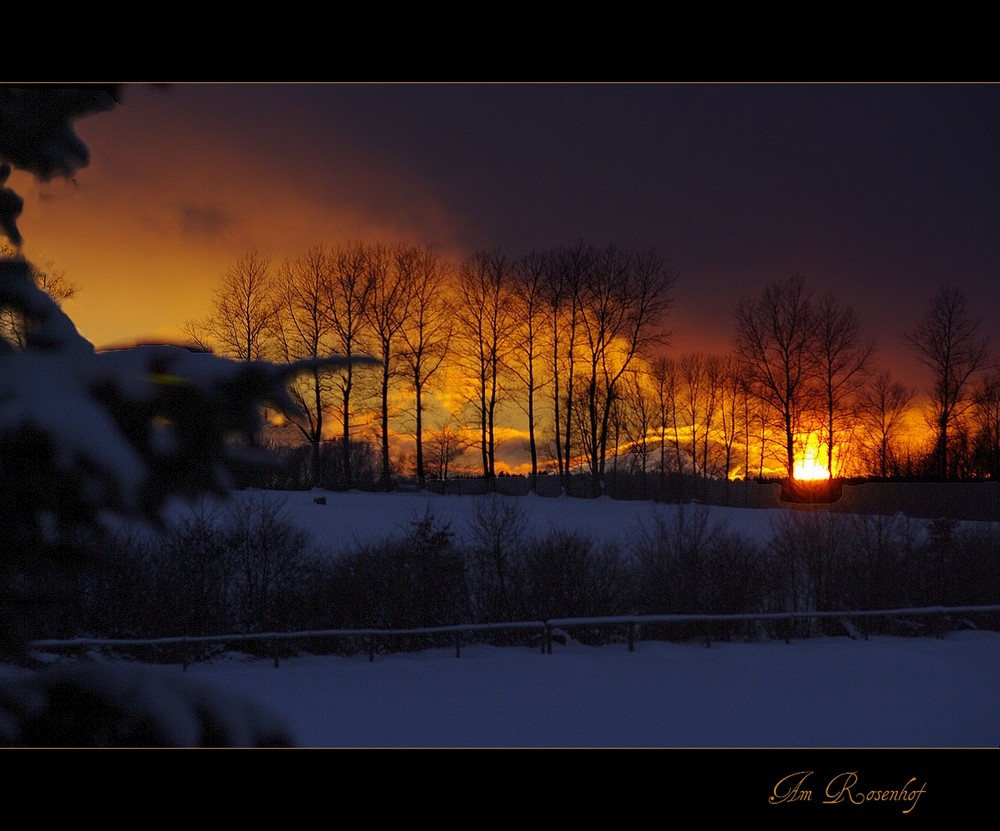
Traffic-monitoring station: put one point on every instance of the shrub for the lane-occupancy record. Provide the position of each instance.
(813, 555)
(685, 565)
(975, 566)
(568, 575)
(496, 561)
(268, 559)
(237, 567)
(414, 581)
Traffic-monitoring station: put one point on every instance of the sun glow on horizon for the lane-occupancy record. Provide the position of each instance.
(808, 467)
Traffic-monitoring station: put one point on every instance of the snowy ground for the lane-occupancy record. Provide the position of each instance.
(825, 692)
(355, 517)
(821, 693)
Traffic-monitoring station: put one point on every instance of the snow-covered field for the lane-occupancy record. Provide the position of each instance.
(824, 692)
(355, 517)
(887, 692)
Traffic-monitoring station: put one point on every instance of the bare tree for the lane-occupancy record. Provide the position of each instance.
(485, 324)
(303, 329)
(427, 335)
(713, 392)
(244, 306)
(882, 407)
(691, 366)
(622, 314)
(730, 409)
(697, 397)
(13, 326)
(947, 341)
(701, 382)
(392, 271)
(567, 275)
(348, 293)
(666, 382)
(760, 428)
(842, 356)
(774, 339)
(986, 418)
(640, 423)
(529, 283)
(446, 444)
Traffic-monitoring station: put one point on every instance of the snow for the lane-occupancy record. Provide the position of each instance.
(885, 692)
(356, 517)
(823, 693)
(818, 693)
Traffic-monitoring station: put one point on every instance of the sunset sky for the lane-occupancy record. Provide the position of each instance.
(881, 194)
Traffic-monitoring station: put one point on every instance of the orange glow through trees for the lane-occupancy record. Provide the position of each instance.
(807, 466)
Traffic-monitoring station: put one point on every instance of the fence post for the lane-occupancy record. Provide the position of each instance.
(184, 655)
(631, 636)
(458, 645)
(371, 650)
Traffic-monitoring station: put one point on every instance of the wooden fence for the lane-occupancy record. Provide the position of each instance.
(546, 631)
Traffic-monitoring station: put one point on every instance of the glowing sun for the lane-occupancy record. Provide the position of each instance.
(807, 468)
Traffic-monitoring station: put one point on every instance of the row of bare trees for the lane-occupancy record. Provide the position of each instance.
(808, 362)
(357, 299)
(802, 358)
(569, 343)
(496, 332)
(569, 326)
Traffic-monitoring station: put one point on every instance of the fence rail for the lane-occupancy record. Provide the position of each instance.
(547, 630)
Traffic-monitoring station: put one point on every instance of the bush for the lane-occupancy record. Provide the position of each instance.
(568, 575)
(269, 556)
(122, 574)
(687, 566)
(496, 561)
(415, 581)
(813, 553)
(973, 566)
(886, 562)
(237, 567)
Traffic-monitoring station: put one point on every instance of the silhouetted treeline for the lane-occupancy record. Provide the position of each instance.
(562, 358)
